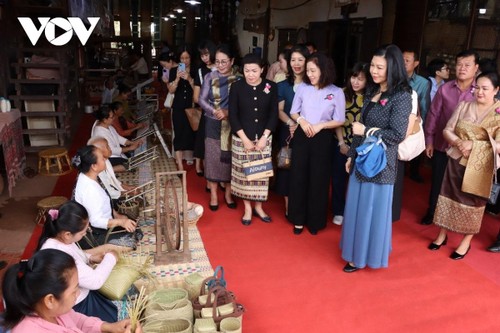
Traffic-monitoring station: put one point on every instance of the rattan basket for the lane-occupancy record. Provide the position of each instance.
(177, 310)
(129, 208)
(169, 326)
(193, 284)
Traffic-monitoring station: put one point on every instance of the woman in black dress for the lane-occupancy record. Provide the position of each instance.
(181, 83)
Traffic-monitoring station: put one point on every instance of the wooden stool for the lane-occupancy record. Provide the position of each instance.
(45, 205)
(54, 162)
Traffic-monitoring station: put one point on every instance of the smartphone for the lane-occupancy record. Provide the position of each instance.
(182, 67)
(165, 74)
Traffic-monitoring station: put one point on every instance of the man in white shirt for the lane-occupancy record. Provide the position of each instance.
(108, 178)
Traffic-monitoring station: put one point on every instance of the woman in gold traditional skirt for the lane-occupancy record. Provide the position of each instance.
(253, 114)
(474, 137)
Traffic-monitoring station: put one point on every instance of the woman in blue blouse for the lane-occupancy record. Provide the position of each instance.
(318, 107)
(367, 228)
(296, 63)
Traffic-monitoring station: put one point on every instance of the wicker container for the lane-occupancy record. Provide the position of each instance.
(169, 326)
(193, 284)
(129, 208)
(179, 310)
(205, 325)
(230, 325)
(167, 298)
(194, 214)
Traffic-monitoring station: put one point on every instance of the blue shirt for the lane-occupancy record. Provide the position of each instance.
(423, 88)
(319, 105)
(435, 86)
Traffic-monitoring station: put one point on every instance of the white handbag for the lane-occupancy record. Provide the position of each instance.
(414, 144)
(169, 100)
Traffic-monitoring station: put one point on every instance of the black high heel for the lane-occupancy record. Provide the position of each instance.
(434, 247)
(458, 256)
(297, 230)
(265, 219)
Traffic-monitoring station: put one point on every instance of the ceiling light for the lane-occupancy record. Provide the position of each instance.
(171, 15)
(178, 10)
(482, 11)
(192, 2)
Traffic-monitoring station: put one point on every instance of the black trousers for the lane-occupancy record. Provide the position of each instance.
(397, 196)
(438, 162)
(339, 180)
(310, 179)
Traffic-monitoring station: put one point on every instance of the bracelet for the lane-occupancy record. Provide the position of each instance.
(298, 119)
(289, 122)
(341, 143)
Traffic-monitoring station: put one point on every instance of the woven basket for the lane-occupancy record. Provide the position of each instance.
(179, 310)
(192, 283)
(205, 325)
(119, 281)
(194, 214)
(230, 325)
(129, 208)
(168, 298)
(169, 326)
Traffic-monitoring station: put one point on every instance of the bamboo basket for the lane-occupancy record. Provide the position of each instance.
(178, 310)
(129, 208)
(192, 284)
(169, 326)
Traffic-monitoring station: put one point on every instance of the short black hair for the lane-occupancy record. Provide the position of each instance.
(103, 112)
(416, 56)
(468, 53)
(251, 58)
(435, 65)
(492, 76)
(359, 67)
(299, 48)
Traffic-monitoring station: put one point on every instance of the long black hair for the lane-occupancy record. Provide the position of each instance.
(25, 284)
(397, 78)
(71, 217)
(84, 158)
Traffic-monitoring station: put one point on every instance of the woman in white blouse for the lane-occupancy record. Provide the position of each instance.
(118, 144)
(90, 161)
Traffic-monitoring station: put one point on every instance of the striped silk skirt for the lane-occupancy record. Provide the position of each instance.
(252, 190)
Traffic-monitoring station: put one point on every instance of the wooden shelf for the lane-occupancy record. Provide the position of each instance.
(36, 97)
(33, 81)
(43, 114)
(44, 131)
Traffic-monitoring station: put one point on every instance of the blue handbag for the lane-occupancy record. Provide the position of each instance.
(371, 159)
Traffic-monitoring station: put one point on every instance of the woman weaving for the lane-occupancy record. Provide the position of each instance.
(474, 139)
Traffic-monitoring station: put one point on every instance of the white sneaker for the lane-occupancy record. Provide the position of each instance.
(338, 219)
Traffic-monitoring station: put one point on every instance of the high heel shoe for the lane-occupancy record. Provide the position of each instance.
(265, 219)
(297, 230)
(246, 222)
(348, 268)
(433, 246)
(230, 205)
(200, 173)
(458, 256)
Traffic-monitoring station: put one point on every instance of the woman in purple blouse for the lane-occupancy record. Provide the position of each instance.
(318, 107)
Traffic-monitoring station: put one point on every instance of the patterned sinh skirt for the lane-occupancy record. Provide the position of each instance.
(253, 190)
(456, 210)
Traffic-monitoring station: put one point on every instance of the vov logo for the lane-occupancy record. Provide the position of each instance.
(49, 26)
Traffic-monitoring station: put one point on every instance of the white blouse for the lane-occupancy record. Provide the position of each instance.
(95, 200)
(114, 139)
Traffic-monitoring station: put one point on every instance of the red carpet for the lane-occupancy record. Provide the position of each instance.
(294, 283)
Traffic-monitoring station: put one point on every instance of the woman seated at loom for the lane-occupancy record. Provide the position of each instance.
(118, 144)
(90, 161)
(63, 229)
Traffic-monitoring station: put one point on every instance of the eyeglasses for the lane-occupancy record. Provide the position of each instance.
(445, 69)
(221, 62)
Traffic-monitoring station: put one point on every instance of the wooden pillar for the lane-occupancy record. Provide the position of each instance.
(124, 12)
(190, 14)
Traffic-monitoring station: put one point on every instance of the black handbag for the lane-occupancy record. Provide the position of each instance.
(285, 155)
(495, 188)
